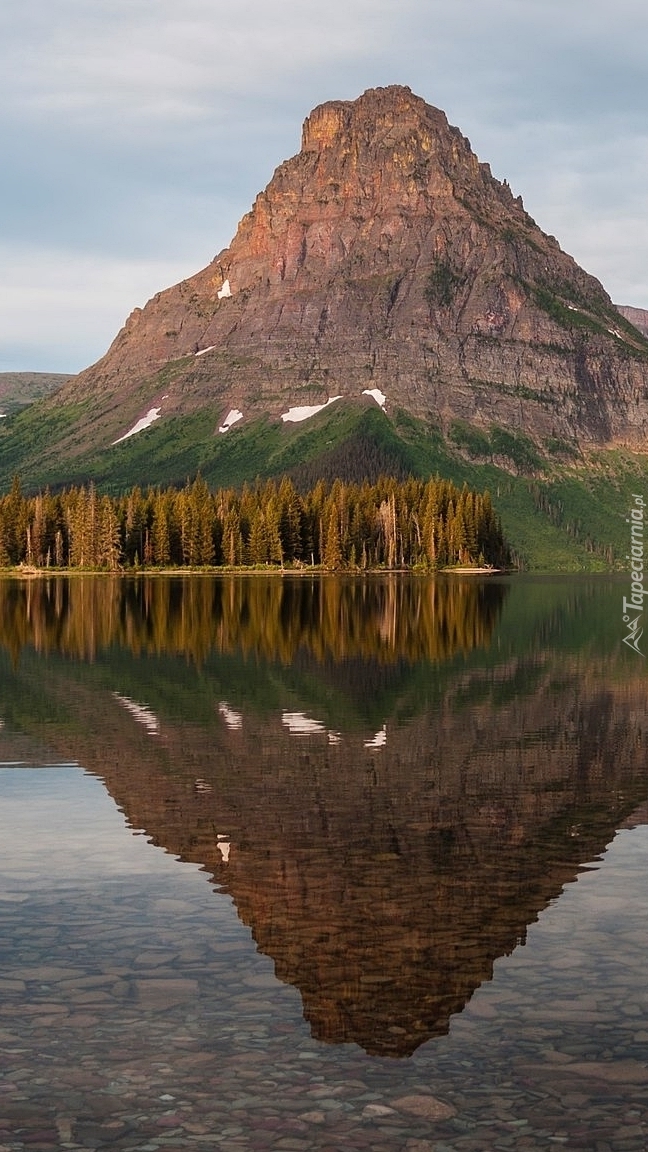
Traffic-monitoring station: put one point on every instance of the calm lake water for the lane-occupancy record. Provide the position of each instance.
(322, 864)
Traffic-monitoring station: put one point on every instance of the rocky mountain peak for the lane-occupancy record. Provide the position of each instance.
(367, 170)
(384, 260)
(341, 123)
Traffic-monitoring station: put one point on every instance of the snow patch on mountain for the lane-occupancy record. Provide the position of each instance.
(378, 396)
(305, 411)
(232, 417)
(145, 422)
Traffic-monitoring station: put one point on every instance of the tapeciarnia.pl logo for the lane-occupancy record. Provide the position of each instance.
(631, 617)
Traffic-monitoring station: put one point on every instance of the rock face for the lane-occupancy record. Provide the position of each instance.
(385, 256)
(636, 316)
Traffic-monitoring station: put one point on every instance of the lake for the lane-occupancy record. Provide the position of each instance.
(327, 864)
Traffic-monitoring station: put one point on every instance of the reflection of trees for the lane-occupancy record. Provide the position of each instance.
(275, 619)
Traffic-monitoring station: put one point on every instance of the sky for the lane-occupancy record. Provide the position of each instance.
(136, 133)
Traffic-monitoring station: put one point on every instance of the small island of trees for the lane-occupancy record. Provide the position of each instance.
(392, 524)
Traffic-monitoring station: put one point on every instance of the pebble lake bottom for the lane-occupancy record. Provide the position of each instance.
(137, 1013)
(146, 999)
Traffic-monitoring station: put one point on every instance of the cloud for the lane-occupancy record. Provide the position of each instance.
(59, 310)
(158, 62)
(592, 197)
(138, 132)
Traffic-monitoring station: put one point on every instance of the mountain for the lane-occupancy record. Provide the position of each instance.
(383, 256)
(385, 298)
(18, 389)
(636, 316)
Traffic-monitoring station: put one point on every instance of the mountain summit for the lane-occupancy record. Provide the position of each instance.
(384, 264)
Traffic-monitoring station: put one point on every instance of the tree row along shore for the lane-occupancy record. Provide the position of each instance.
(411, 524)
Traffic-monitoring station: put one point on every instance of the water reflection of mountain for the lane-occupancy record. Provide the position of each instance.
(385, 868)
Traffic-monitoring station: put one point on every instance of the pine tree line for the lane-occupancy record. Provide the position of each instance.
(392, 524)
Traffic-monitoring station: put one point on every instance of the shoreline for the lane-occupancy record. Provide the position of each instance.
(27, 573)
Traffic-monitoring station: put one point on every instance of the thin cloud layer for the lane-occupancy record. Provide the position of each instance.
(55, 301)
(136, 133)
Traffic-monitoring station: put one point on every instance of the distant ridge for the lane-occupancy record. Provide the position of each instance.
(636, 316)
(18, 389)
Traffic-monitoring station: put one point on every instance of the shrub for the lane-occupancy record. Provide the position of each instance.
(443, 283)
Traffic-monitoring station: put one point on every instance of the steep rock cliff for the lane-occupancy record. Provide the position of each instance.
(384, 256)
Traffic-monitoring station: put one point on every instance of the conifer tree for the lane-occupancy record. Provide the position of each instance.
(332, 558)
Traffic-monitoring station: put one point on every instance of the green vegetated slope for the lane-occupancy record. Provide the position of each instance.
(45, 446)
(561, 510)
